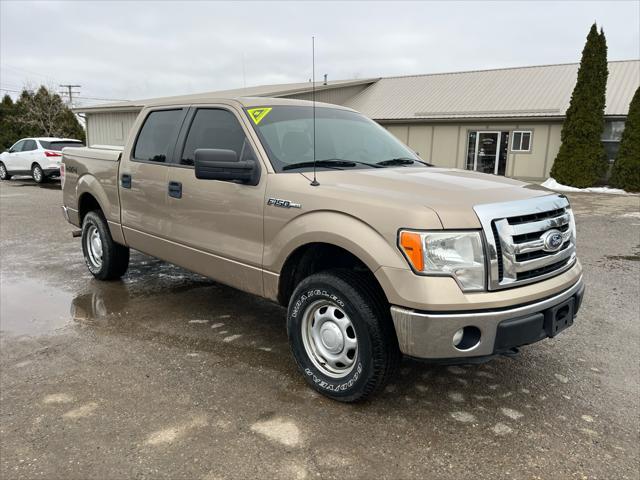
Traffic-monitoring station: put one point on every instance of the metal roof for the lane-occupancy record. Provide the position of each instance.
(539, 91)
(279, 90)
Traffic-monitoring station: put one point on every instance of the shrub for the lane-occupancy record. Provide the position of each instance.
(626, 169)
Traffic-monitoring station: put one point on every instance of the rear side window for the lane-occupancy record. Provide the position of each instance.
(29, 145)
(215, 128)
(58, 146)
(158, 135)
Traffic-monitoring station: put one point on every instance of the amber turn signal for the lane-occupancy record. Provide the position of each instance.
(411, 244)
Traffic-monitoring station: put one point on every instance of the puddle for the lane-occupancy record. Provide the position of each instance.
(29, 307)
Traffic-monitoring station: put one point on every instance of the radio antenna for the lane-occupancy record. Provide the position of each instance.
(315, 182)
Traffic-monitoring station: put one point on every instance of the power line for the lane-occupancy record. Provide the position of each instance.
(71, 91)
(75, 96)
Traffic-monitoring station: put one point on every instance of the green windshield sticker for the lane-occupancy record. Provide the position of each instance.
(257, 114)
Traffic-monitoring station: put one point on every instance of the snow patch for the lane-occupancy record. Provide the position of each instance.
(463, 417)
(512, 414)
(552, 184)
(280, 430)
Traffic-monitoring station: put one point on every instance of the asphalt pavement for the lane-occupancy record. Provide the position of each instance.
(167, 374)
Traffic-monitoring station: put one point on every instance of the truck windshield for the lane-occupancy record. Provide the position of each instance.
(343, 136)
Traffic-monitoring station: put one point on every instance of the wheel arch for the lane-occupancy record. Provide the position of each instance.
(87, 202)
(325, 239)
(315, 257)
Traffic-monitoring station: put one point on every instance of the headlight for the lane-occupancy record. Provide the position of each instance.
(456, 254)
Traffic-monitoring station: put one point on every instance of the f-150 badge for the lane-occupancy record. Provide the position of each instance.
(278, 202)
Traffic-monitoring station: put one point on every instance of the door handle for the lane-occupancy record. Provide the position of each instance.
(175, 189)
(125, 180)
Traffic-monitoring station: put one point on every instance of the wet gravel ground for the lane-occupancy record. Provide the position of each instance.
(169, 375)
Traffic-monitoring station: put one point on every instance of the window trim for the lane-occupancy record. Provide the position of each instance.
(186, 128)
(172, 149)
(520, 150)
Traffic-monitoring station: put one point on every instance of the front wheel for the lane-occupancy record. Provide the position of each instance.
(106, 259)
(341, 335)
(37, 173)
(4, 174)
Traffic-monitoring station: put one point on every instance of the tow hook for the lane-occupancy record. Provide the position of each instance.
(512, 352)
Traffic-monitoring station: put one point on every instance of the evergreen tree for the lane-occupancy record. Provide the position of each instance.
(626, 169)
(581, 161)
(8, 128)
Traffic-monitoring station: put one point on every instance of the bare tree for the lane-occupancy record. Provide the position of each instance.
(44, 113)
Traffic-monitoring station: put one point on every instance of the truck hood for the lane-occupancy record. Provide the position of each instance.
(451, 193)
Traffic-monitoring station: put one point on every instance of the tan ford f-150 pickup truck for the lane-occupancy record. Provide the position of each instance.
(381, 255)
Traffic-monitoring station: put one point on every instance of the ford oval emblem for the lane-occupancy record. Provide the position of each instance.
(552, 240)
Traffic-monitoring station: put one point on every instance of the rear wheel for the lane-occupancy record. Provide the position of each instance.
(106, 259)
(341, 335)
(4, 174)
(37, 173)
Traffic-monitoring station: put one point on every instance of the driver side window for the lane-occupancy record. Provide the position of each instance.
(215, 128)
(17, 147)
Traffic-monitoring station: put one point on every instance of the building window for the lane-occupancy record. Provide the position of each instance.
(521, 141)
(611, 138)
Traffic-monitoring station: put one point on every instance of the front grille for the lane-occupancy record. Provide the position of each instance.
(535, 217)
(527, 237)
(498, 250)
(542, 270)
(523, 257)
(520, 250)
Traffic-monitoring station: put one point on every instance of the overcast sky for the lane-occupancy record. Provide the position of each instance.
(127, 50)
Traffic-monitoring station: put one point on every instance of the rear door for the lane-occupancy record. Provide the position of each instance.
(143, 180)
(216, 224)
(29, 155)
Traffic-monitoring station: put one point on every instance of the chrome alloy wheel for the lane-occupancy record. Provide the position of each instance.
(37, 174)
(3, 172)
(329, 338)
(93, 244)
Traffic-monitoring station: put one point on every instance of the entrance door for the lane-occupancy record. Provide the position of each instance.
(487, 152)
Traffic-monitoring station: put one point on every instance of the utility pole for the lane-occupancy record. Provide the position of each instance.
(70, 92)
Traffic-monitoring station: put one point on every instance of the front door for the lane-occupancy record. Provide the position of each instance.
(216, 225)
(13, 158)
(487, 152)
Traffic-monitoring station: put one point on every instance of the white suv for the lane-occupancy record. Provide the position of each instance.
(38, 157)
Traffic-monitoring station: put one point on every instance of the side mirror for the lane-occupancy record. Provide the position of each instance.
(218, 164)
(11, 150)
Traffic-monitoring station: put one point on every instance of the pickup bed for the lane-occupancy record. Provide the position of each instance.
(374, 253)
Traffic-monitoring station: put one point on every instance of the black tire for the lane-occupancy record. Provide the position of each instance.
(38, 174)
(114, 258)
(377, 354)
(4, 174)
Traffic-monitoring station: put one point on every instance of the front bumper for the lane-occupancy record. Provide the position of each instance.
(430, 335)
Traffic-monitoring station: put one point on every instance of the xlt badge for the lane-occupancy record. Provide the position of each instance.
(278, 202)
